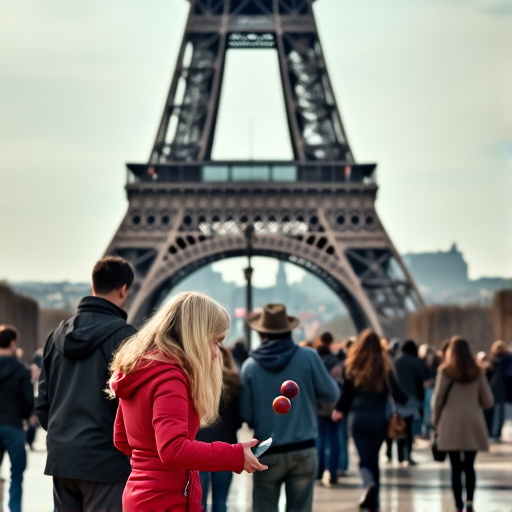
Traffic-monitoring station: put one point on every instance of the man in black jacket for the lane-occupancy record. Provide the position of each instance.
(89, 473)
(16, 405)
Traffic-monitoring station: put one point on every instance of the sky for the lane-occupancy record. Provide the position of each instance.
(424, 88)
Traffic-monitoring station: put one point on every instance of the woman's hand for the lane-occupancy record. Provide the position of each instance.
(336, 416)
(251, 463)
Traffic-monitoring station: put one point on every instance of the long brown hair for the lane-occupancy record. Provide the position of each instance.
(459, 363)
(230, 377)
(367, 362)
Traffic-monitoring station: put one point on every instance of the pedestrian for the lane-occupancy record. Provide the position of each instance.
(16, 406)
(328, 442)
(168, 378)
(72, 406)
(292, 459)
(411, 377)
(368, 383)
(33, 422)
(460, 395)
(482, 360)
(225, 430)
(240, 352)
(427, 356)
(499, 357)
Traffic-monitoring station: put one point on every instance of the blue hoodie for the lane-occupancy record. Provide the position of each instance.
(262, 375)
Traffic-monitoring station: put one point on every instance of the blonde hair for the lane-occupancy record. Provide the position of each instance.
(181, 331)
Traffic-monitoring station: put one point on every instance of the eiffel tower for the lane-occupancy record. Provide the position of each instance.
(316, 211)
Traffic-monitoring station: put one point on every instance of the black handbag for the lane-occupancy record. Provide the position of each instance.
(439, 455)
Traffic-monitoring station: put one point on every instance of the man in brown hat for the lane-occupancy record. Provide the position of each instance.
(293, 455)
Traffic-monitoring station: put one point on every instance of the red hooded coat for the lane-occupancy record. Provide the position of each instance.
(155, 426)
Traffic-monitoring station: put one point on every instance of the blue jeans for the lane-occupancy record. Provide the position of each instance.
(368, 431)
(13, 440)
(328, 439)
(296, 470)
(498, 419)
(221, 480)
(427, 416)
(343, 442)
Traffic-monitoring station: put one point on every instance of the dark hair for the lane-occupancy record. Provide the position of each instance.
(459, 364)
(111, 273)
(326, 338)
(323, 342)
(7, 334)
(409, 347)
(268, 336)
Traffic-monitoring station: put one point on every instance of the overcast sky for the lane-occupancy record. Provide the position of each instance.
(423, 86)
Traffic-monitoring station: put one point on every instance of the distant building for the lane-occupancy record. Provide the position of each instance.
(438, 269)
(442, 278)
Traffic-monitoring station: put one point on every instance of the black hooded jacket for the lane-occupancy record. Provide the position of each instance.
(16, 392)
(72, 404)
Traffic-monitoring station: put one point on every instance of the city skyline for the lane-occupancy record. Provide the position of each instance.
(423, 89)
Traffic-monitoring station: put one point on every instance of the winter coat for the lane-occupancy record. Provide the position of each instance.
(72, 404)
(355, 398)
(16, 392)
(498, 377)
(226, 427)
(334, 366)
(262, 375)
(155, 426)
(461, 424)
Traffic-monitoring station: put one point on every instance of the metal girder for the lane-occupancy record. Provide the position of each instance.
(316, 211)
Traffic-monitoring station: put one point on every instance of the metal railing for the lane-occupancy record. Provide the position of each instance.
(251, 171)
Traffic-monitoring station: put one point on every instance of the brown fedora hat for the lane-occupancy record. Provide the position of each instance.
(273, 319)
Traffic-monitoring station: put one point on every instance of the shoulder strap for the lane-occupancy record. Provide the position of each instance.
(447, 392)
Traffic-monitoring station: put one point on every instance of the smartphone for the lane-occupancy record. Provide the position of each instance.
(262, 447)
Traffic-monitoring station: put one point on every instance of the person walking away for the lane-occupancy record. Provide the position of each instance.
(427, 356)
(33, 422)
(411, 377)
(72, 406)
(499, 359)
(483, 362)
(292, 459)
(328, 436)
(168, 379)
(460, 425)
(224, 430)
(368, 382)
(16, 406)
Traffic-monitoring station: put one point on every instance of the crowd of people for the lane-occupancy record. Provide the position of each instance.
(147, 420)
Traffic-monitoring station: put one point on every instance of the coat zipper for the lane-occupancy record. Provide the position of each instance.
(185, 492)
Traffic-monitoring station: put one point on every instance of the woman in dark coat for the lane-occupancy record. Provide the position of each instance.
(368, 382)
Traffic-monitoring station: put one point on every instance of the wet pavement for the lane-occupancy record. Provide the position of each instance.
(422, 488)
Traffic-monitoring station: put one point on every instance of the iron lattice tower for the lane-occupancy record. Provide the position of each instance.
(317, 211)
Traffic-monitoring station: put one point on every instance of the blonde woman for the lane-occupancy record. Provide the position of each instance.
(168, 378)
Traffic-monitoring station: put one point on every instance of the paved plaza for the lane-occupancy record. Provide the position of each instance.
(423, 488)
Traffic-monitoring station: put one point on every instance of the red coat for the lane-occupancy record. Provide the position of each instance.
(155, 426)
